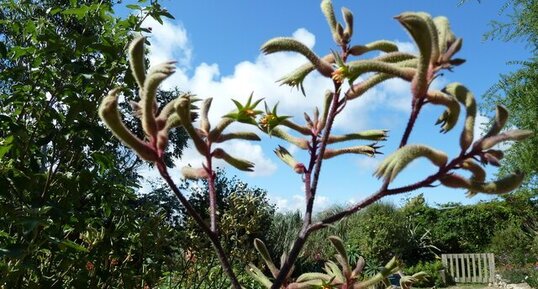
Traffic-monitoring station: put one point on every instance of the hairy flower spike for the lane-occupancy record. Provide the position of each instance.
(423, 31)
(299, 142)
(296, 77)
(375, 135)
(492, 157)
(511, 135)
(238, 163)
(501, 116)
(264, 253)
(479, 175)
(379, 45)
(284, 155)
(500, 186)
(397, 161)
(281, 44)
(348, 19)
(108, 112)
(154, 78)
(368, 150)
(449, 117)
(328, 11)
(465, 97)
(136, 60)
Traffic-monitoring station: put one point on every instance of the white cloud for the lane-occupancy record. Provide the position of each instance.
(297, 203)
(170, 41)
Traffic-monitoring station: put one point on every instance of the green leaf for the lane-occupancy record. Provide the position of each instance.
(133, 7)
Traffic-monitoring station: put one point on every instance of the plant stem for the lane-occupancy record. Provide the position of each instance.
(310, 192)
(212, 192)
(213, 237)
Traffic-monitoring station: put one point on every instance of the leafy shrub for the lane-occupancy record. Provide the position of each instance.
(520, 274)
(512, 246)
(434, 275)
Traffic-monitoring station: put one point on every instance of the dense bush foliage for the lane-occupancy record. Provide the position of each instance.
(435, 277)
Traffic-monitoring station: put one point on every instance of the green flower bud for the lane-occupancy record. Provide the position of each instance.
(136, 60)
(348, 19)
(395, 57)
(359, 267)
(423, 31)
(500, 186)
(511, 135)
(397, 161)
(289, 44)
(368, 150)
(154, 78)
(305, 130)
(465, 97)
(501, 116)
(478, 173)
(312, 277)
(492, 157)
(296, 77)
(328, 11)
(375, 135)
(285, 156)
(338, 244)
(354, 69)
(183, 109)
(300, 142)
(237, 135)
(326, 106)
(449, 117)
(264, 253)
(108, 112)
(216, 133)
(238, 163)
(379, 45)
(258, 275)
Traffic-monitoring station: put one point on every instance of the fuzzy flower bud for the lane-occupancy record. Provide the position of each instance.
(108, 112)
(397, 161)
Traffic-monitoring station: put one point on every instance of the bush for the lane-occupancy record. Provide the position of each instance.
(512, 246)
(520, 274)
(434, 271)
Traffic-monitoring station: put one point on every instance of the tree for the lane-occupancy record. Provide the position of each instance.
(518, 91)
(68, 204)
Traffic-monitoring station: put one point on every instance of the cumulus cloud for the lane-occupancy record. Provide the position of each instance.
(297, 203)
(170, 41)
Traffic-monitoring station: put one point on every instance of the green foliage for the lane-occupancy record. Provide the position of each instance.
(379, 232)
(520, 274)
(245, 214)
(517, 91)
(519, 242)
(70, 218)
(433, 268)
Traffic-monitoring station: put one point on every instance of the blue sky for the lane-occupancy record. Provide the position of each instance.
(217, 45)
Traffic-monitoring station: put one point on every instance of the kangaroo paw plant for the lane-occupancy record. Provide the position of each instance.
(352, 75)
